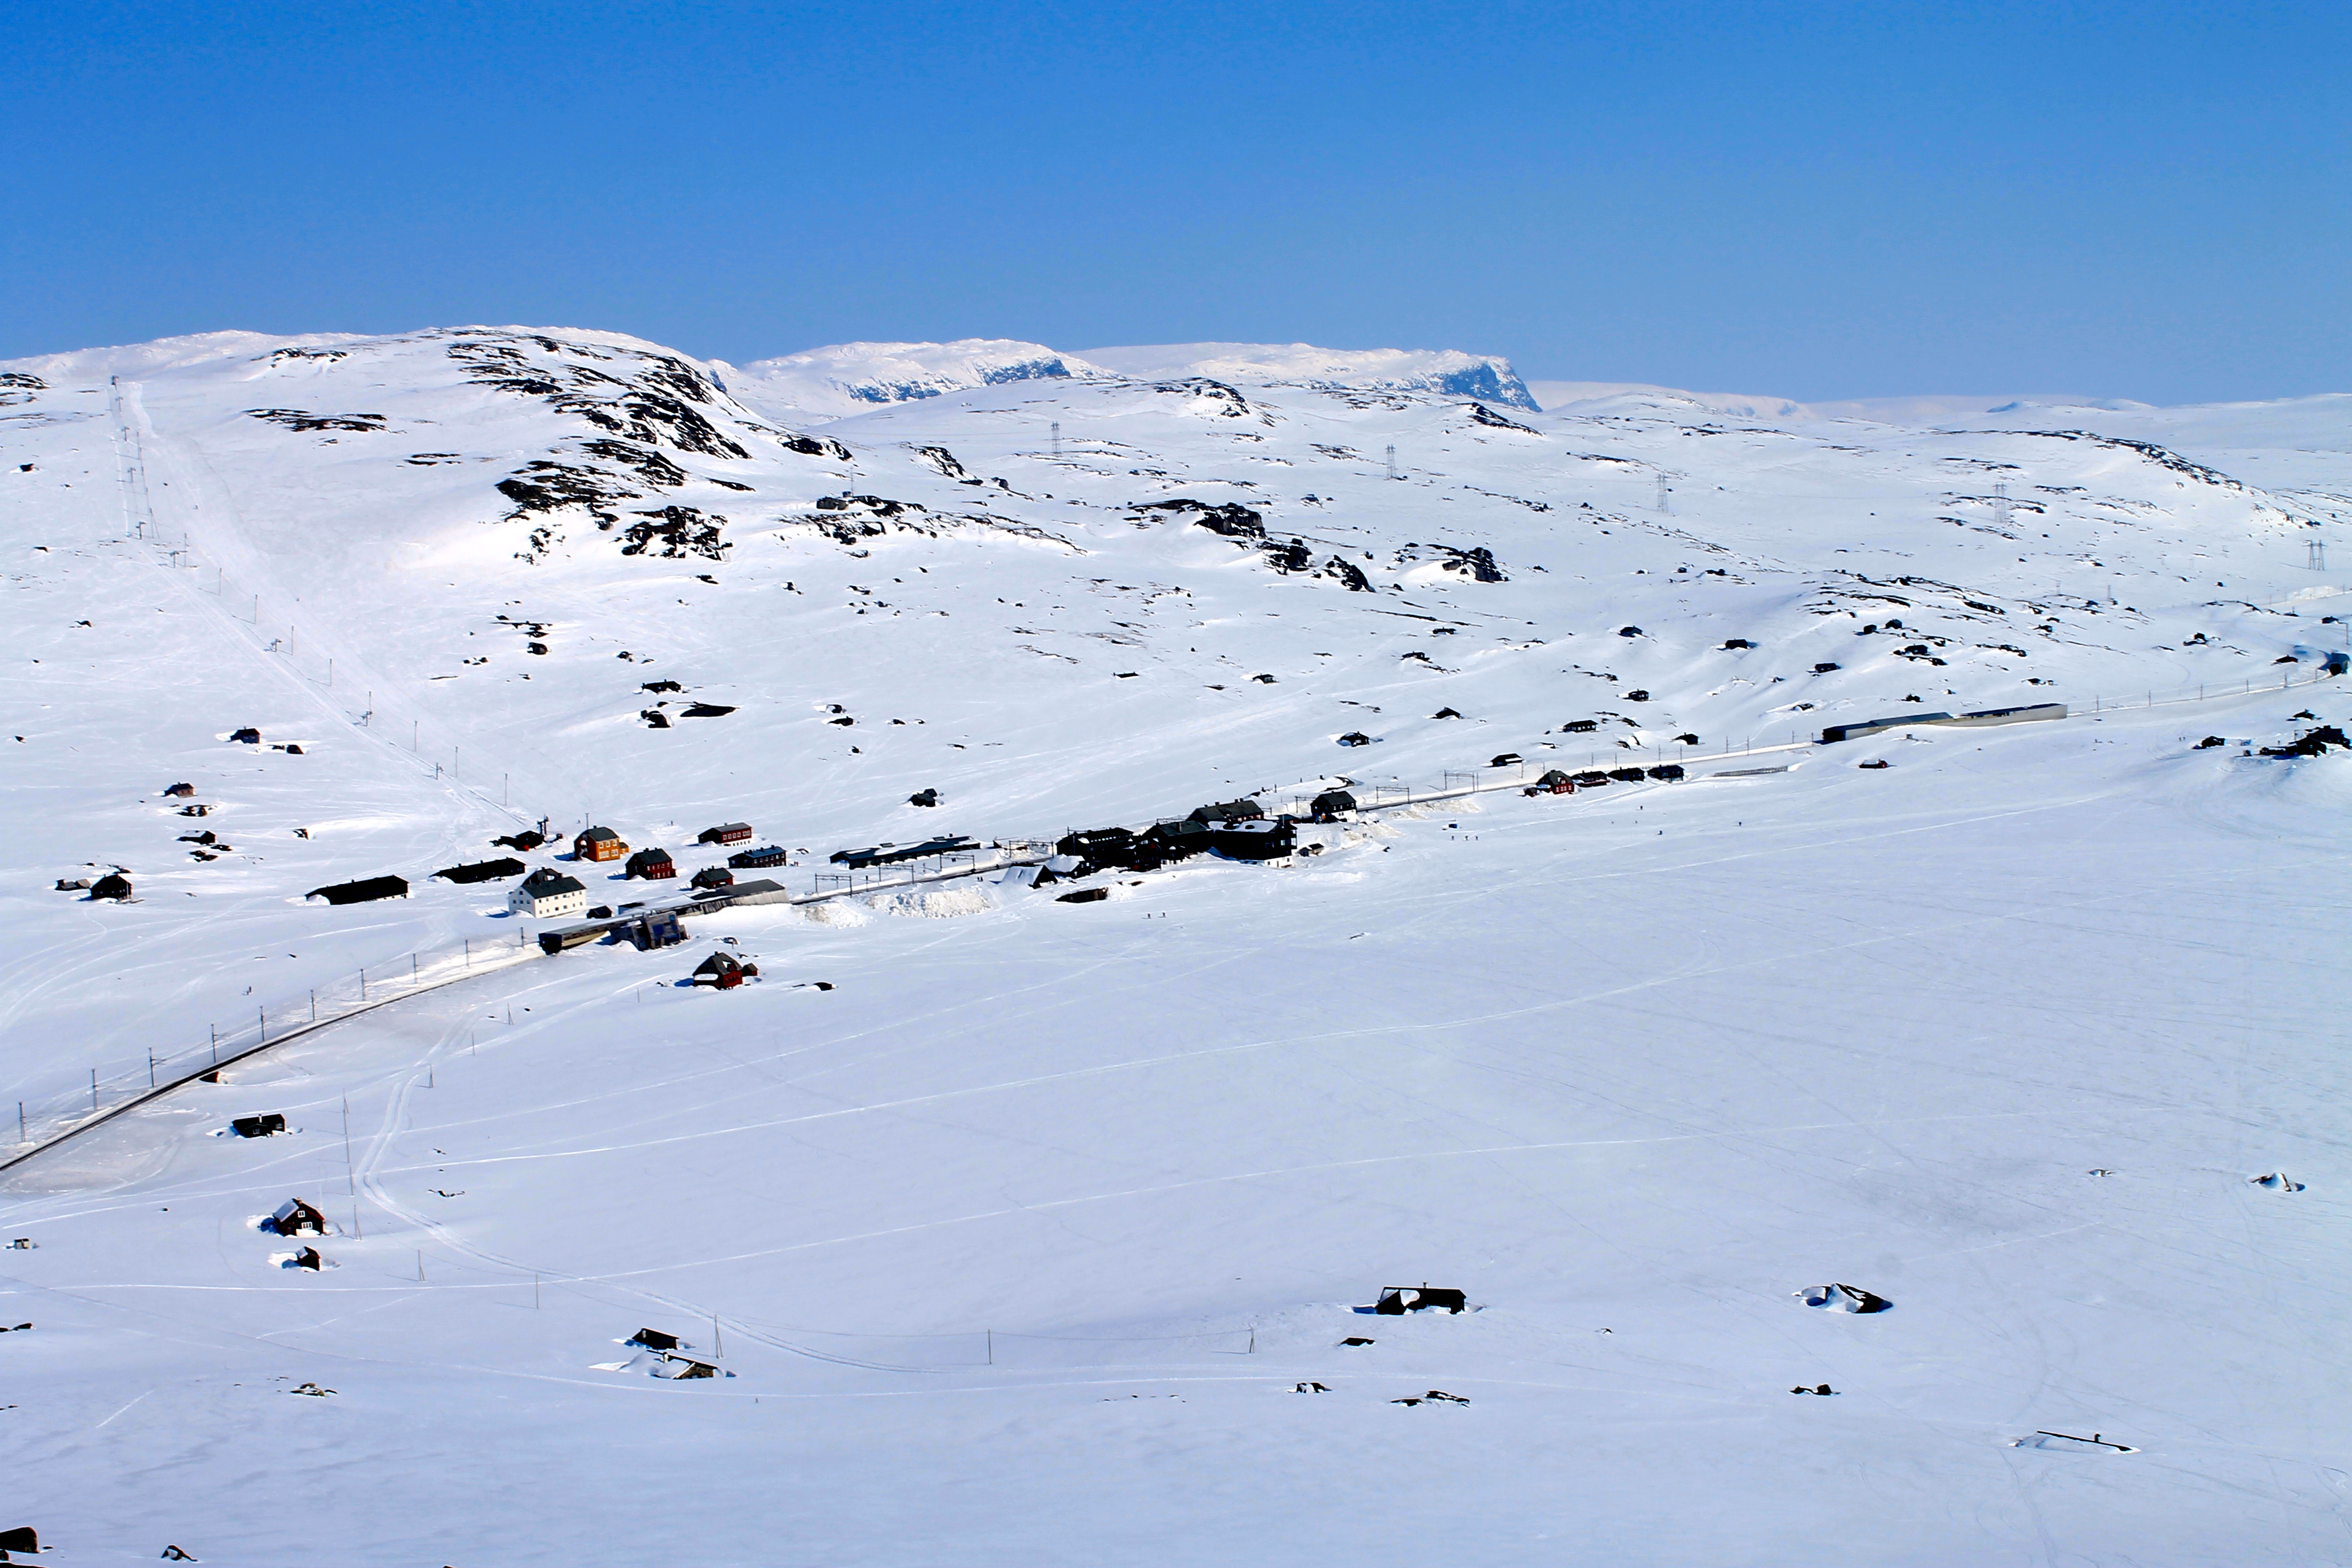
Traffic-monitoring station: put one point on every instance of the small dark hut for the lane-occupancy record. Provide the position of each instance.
(747, 859)
(1355, 738)
(1395, 1300)
(1506, 760)
(723, 971)
(726, 833)
(1626, 775)
(1254, 840)
(294, 1216)
(1580, 726)
(652, 865)
(1332, 805)
(1179, 840)
(1228, 811)
(1592, 778)
(654, 1339)
(249, 737)
(113, 885)
(366, 890)
(309, 1258)
(714, 877)
(483, 871)
(1667, 771)
(258, 1126)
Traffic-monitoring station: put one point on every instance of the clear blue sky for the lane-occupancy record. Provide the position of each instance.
(1818, 201)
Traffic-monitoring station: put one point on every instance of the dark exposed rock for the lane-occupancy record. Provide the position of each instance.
(1231, 519)
(1349, 573)
(681, 530)
(813, 446)
(1482, 415)
(296, 419)
(649, 464)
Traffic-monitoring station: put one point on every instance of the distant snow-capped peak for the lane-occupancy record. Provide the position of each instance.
(844, 379)
(853, 378)
(1446, 372)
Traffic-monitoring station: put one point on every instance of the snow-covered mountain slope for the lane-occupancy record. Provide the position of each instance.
(992, 1229)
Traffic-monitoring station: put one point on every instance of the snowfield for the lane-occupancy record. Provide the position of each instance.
(1025, 1231)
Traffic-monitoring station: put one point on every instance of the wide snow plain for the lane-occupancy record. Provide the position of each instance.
(1018, 1242)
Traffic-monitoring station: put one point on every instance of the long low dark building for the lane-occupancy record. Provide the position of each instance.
(891, 854)
(1836, 733)
(366, 890)
(483, 871)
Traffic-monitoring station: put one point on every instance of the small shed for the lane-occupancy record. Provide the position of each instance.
(1667, 771)
(746, 859)
(258, 1126)
(598, 843)
(714, 876)
(367, 890)
(654, 1339)
(1506, 760)
(1626, 775)
(294, 1216)
(653, 865)
(1355, 738)
(650, 932)
(113, 885)
(248, 736)
(483, 871)
(547, 893)
(726, 833)
(1580, 726)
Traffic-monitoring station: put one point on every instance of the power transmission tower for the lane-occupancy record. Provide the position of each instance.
(1664, 509)
(1392, 473)
(2001, 507)
(1057, 437)
(2319, 562)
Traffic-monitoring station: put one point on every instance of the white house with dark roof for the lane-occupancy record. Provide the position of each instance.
(549, 893)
